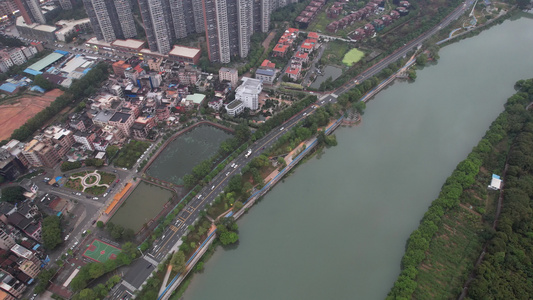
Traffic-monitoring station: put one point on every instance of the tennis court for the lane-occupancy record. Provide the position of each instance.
(101, 251)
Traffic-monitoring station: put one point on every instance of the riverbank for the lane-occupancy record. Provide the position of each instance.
(442, 252)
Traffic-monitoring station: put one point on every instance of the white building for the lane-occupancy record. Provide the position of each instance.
(235, 107)
(248, 92)
(17, 56)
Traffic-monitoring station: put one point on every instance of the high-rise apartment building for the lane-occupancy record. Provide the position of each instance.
(168, 20)
(65, 4)
(31, 11)
(111, 20)
(228, 24)
(7, 7)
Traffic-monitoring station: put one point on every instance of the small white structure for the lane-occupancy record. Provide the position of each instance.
(495, 183)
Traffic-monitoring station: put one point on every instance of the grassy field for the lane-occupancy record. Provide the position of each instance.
(334, 53)
(352, 57)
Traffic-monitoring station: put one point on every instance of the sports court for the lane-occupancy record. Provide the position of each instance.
(100, 251)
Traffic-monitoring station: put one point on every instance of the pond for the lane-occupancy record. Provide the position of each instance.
(329, 71)
(186, 151)
(142, 205)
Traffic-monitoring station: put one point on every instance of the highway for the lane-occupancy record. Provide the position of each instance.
(141, 269)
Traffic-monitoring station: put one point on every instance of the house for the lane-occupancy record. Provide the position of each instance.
(358, 34)
(302, 57)
(402, 10)
(280, 50)
(394, 15)
(293, 73)
(266, 75)
(309, 45)
(332, 27)
(194, 100)
(216, 104)
(267, 64)
(369, 29)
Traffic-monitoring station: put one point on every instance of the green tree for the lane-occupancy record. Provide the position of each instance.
(51, 232)
(13, 194)
(228, 237)
(178, 261)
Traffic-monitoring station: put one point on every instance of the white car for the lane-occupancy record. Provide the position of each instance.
(235, 166)
(66, 238)
(227, 174)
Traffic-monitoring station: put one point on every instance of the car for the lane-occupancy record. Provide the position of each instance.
(46, 179)
(305, 114)
(105, 194)
(235, 166)
(227, 174)
(281, 129)
(114, 171)
(66, 238)
(213, 187)
(148, 267)
(56, 184)
(73, 193)
(118, 180)
(95, 198)
(78, 194)
(199, 196)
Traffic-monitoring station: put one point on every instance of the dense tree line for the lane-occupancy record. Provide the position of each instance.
(43, 280)
(79, 89)
(67, 165)
(506, 271)
(510, 122)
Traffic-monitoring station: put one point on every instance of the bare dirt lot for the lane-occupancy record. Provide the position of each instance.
(18, 111)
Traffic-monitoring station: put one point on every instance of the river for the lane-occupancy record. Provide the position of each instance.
(337, 227)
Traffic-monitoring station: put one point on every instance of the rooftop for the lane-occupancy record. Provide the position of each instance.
(184, 51)
(196, 98)
(266, 72)
(120, 117)
(234, 104)
(46, 61)
(129, 43)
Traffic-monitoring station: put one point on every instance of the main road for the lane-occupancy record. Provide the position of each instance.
(139, 271)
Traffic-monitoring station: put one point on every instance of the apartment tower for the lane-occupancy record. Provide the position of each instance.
(111, 20)
(31, 11)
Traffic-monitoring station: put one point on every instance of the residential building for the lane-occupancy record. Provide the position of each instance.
(235, 107)
(216, 104)
(8, 7)
(10, 166)
(266, 75)
(31, 11)
(29, 186)
(65, 4)
(11, 285)
(111, 20)
(85, 139)
(122, 121)
(248, 92)
(72, 27)
(231, 75)
(5, 296)
(6, 240)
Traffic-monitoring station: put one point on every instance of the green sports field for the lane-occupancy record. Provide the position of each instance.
(101, 251)
(353, 56)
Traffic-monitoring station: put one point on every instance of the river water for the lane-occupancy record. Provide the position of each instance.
(337, 227)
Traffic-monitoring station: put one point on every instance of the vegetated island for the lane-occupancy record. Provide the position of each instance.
(475, 242)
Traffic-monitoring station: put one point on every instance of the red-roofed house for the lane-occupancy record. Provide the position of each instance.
(312, 35)
(301, 57)
(268, 64)
(293, 73)
(280, 50)
(309, 45)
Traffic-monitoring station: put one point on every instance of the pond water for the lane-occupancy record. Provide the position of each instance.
(329, 71)
(186, 151)
(142, 205)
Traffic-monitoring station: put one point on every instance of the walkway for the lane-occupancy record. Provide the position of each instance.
(84, 179)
